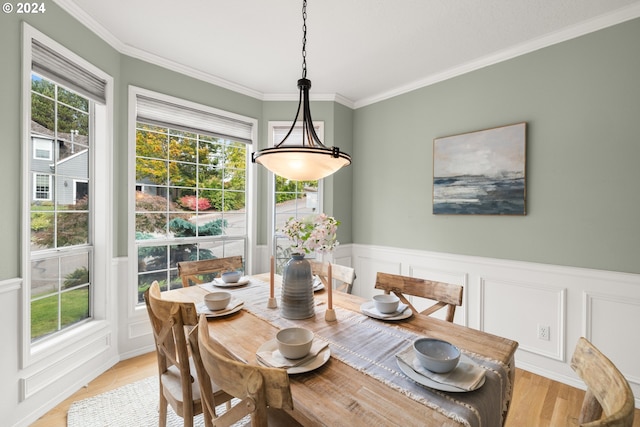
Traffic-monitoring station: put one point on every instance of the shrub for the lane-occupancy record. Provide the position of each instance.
(183, 228)
(194, 203)
(77, 277)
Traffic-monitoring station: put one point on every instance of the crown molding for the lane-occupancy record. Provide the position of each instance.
(607, 20)
(189, 71)
(598, 23)
(312, 97)
(85, 19)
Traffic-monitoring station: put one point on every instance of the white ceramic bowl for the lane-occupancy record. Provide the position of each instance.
(294, 343)
(436, 355)
(386, 303)
(217, 300)
(231, 276)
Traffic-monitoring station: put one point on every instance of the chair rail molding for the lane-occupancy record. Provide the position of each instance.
(10, 285)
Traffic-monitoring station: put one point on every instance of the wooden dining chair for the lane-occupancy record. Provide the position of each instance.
(199, 272)
(343, 276)
(178, 383)
(264, 392)
(445, 294)
(609, 400)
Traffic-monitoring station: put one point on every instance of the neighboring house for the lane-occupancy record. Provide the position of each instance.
(72, 171)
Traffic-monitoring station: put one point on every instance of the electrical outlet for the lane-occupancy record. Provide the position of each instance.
(544, 332)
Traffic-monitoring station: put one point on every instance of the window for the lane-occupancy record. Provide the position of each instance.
(191, 187)
(41, 187)
(291, 198)
(60, 241)
(42, 149)
(66, 103)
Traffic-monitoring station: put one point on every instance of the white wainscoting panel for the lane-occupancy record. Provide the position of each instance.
(516, 309)
(34, 382)
(366, 270)
(139, 329)
(604, 315)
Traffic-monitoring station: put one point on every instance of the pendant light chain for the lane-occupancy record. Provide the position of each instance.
(304, 39)
(309, 160)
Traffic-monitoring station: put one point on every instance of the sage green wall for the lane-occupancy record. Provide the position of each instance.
(148, 76)
(341, 183)
(127, 71)
(581, 100)
(58, 25)
(338, 130)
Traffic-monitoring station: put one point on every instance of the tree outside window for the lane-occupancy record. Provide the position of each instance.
(190, 201)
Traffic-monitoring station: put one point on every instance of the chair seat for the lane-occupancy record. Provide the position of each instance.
(172, 386)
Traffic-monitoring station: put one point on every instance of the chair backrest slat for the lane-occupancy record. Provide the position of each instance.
(445, 294)
(343, 275)
(191, 271)
(258, 387)
(609, 400)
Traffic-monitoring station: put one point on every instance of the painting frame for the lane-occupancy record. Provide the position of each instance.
(481, 172)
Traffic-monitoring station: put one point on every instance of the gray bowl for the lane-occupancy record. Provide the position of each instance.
(294, 343)
(231, 276)
(436, 355)
(386, 303)
(217, 300)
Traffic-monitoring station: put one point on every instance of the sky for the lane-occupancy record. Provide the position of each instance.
(486, 152)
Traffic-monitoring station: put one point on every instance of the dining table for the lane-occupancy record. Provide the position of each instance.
(360, 379)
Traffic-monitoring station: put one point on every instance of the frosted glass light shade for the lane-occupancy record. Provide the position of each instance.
(302, 163)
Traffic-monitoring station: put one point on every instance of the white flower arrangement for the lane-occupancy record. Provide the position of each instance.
(315, 233)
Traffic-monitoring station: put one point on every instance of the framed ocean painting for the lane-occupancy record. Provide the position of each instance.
(481, 173)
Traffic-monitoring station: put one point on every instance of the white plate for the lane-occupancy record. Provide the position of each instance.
(220, 284)
(369, 308)
(426, 381)
(317, 284)
(312, 364)
(201, 308)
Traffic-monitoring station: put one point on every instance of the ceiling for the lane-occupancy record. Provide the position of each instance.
(358, 51)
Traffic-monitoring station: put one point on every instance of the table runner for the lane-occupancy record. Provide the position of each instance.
(370, 346)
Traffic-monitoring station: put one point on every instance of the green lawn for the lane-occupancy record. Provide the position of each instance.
(44, 312)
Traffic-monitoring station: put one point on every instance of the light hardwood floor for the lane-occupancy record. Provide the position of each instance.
(537, 401)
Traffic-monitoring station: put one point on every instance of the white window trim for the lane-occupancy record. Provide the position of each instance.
(41, 142)
(103, 304)
(138, 311)
(35, 186)
(271, 220)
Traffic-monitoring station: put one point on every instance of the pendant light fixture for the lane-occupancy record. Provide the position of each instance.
(312, 160)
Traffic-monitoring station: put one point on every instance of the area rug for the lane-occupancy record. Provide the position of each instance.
(132, 405)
